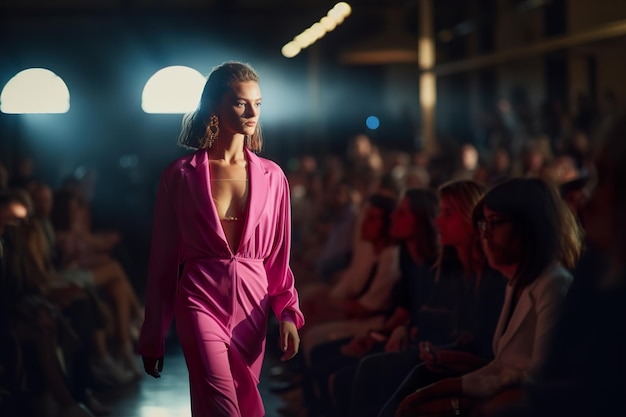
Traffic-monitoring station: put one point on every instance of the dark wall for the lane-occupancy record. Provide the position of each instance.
(106, 60)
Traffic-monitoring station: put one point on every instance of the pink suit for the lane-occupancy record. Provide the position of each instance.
(221, 300)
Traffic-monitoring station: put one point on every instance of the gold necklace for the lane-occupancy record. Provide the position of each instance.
(225, 218)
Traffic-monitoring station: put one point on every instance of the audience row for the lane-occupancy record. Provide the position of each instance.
(69, 312)
(462, 298)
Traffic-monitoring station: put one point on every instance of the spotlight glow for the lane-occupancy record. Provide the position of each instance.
(328, 23)
(291, 49)
(35, 90)
(175, 89)
(304, 40)
(343, 8)
(372, 122)
(317, 30)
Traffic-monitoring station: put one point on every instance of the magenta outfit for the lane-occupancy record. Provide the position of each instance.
(220, 299)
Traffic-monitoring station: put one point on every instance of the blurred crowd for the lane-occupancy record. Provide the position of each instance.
(482, 279)
(69, 311)
(470, 281)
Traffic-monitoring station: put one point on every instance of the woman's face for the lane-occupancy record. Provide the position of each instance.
(454, 228)
(373, 224)
(403, 224)
(501, 245)
(240, 109)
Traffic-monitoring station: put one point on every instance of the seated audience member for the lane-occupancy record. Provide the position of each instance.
(413, 226)
(84, 259)
(585, 370)
(12, 395)
(350, 316)
(31, 327)
(351, 281)
(88, 364)
(336, 252)
(325, 300)
(455, 325)
(574, 193)
(86, 313)
(375, 293)
(532, 238)
(318, 202)
(337, 255)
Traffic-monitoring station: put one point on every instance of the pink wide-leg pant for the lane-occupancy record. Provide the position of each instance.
(221, 383)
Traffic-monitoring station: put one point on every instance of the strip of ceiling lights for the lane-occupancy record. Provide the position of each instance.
(317, 30)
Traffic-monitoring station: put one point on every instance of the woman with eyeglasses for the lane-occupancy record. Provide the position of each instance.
(455, 326)
(454, 321)
(532, 238)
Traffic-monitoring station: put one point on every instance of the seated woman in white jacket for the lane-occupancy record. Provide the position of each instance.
(531, 237)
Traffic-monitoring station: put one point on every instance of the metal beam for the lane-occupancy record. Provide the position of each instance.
(607, 31)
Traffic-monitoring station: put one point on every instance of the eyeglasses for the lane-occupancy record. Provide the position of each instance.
(487, 225)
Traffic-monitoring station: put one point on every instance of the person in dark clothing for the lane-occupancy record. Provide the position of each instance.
(31, 323)
(473, 293)
(584, 373)
(529, 235)
(372, 308)
(413, 224)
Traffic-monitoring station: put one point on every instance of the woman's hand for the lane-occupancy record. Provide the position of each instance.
(447, 387)
(488, 385)
(430, 354)
(412, 401)
(153, 366)
(398, 341)
(289, 341)
(358, 346)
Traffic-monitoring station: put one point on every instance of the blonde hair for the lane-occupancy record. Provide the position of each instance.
(462, 195)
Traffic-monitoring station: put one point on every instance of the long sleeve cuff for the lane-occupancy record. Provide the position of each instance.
(288, 315)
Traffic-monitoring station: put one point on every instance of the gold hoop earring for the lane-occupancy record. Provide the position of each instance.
(213, 130)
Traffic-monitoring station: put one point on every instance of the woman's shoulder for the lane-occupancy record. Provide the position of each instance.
(272, 171)
(558, 273)
(267, 164)
(554, 279)
(180, 163)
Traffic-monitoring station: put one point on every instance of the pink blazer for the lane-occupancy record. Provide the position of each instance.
(192, 267)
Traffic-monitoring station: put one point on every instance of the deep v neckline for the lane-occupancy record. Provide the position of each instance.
(245, 215)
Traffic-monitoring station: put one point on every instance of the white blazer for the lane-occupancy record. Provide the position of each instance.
(520, 349)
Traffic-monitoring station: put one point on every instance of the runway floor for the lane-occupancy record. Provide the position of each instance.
(168, 396)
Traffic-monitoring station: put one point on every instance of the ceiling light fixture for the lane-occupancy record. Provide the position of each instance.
(317, 30)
